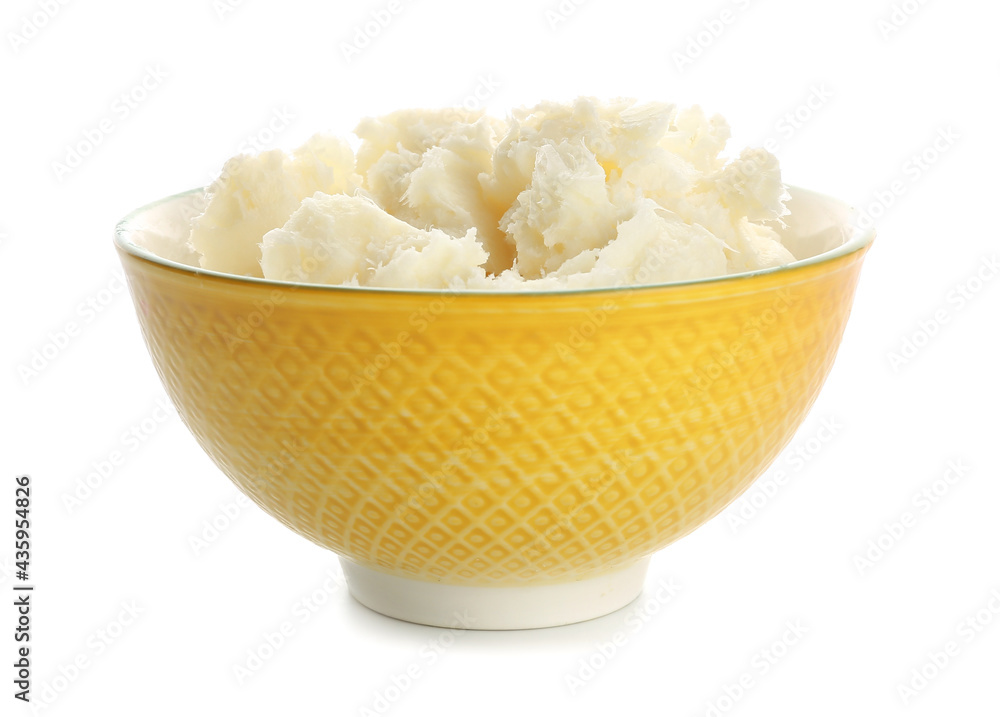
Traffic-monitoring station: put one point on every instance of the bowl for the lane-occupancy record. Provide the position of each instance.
(494, 460)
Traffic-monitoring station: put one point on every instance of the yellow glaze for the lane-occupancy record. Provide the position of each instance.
(494, 439)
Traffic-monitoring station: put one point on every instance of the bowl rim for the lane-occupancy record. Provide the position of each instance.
(861, 239)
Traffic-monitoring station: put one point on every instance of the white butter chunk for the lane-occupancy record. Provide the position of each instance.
(257, 193)
(341, 239)
(560, 195)
(564, 210)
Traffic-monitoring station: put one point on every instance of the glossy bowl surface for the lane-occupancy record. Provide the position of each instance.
(491, 439)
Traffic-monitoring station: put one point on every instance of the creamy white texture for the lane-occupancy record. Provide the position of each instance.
(578, 195)
(338, 239)
(257, 193)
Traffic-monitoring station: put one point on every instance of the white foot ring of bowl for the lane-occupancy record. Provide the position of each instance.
(494, 608)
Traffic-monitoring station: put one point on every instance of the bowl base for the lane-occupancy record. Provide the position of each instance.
(494, 608)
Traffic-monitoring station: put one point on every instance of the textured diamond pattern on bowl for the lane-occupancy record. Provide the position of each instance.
(513, 438)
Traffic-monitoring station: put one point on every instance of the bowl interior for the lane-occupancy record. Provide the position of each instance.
(817, 228)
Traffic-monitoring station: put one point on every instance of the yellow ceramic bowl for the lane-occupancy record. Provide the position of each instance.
(494, 459)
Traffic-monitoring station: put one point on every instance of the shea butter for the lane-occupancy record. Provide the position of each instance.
(572, 195)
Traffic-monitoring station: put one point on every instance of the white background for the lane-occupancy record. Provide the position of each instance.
(898, 423)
